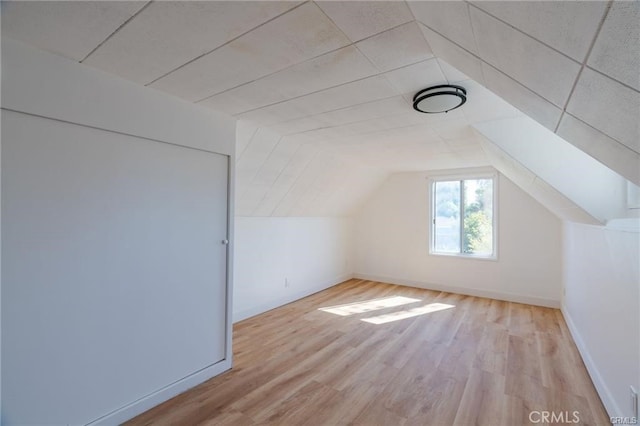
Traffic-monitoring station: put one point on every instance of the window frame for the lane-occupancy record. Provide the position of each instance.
(432, 180)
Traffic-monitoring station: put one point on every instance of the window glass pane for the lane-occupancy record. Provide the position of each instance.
(478, 217)
(446, 228)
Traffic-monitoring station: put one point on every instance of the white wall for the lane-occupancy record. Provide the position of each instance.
(392, 244)
(602, 308)
(310, 253)
(89, 161)
(51, 86)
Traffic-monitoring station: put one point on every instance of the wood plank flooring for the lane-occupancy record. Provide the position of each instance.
(391, 355)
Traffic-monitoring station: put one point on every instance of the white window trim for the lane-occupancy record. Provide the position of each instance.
(464, 176)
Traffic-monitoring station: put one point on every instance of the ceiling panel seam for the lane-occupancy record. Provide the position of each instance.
(475, 40)
(266, 160)
(440, 66)
(529, 37)
(289, 160)
(584, 63)
(622, 83)
(519, 84)
(329, 111)
(356, 122)
(450, 41)
(521, 32)
(426, 41)
(253, 135)
(367, 58)
(381, 74)
(273, 73)
(365, 132)
(372, 35)
(489, 64)
(298, 206)
(261, 165)
(295, 181)
(384, 31)
(329, 194)
(224, 44)
(355, 43)
(333, 87)
(259, 203)
(307, 94)
(473, 31)
(406, 3)
(362, 133)
(331, 20)
(626, 147)
(116, 31)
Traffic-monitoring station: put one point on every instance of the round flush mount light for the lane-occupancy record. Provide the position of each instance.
(442, 98)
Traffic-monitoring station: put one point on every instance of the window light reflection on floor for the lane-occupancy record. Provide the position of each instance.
(369, 305)
(400, 315)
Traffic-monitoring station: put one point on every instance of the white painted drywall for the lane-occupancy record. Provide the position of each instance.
(582, 179)
(310, 253)
(602, 308)
(115, 276)
(44, 84)
(113, 300)
(392, 244)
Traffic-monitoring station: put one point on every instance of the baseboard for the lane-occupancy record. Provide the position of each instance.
(603, 391)
(145, 403)
(275, 303)
(140, 406)
(509, 297)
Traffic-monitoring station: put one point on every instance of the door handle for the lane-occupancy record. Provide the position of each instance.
(225, 242)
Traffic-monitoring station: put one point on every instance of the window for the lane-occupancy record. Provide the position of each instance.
(463, 219)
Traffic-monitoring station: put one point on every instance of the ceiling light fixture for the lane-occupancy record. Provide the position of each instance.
(442, 98)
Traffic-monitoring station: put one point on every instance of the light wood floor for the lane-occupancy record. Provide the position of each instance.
(480, 362)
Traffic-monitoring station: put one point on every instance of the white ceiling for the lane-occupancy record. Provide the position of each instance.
(323, 88)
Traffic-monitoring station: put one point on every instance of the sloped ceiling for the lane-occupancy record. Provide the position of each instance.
(323, 89)
(583, 186)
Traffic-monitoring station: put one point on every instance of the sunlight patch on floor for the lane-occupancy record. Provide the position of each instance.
(369, 305)
(400, 315)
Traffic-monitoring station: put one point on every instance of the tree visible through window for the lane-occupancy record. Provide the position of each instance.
(463, 217)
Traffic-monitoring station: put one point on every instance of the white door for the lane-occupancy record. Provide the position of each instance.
(113, 268)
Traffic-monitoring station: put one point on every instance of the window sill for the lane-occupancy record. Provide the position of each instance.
(493, 258)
